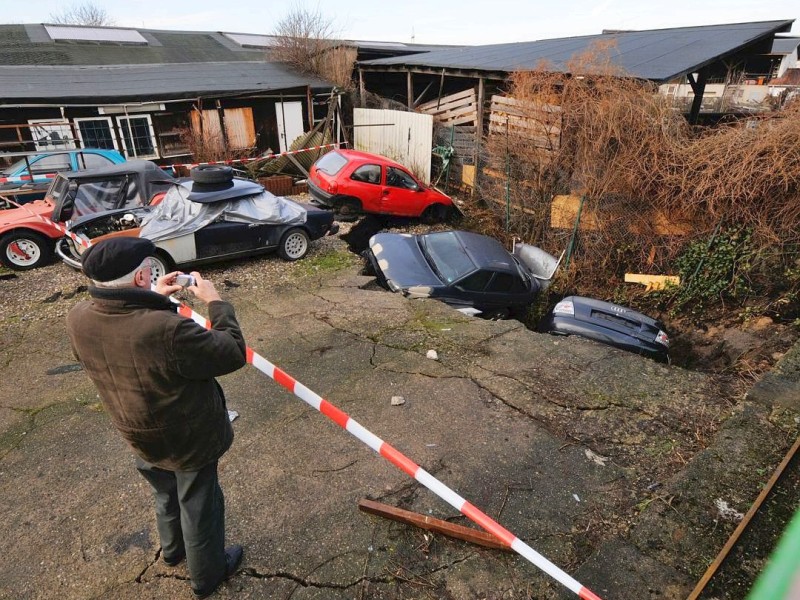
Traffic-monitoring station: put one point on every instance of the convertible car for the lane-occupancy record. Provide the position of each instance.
(211, 217)
(472, 273)
(27, 242)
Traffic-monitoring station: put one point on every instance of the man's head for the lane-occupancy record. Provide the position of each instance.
(119, 262)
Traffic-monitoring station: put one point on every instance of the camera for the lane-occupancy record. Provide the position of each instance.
(184, 280)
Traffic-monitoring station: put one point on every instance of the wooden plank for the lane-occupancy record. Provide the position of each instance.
(652, 282)
(453, 113)
(508, 102)
(529, 124)
(465, 119)
(432, 524)
(447, 99)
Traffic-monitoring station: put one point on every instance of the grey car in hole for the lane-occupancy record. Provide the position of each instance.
(473, 273)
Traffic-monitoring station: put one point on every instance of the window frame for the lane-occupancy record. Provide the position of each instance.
(78, 120)
(129, 152)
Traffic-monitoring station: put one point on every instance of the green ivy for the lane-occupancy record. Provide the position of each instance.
(714, 270)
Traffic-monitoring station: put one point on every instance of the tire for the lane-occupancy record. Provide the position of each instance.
(211, 174)
(348, 209)
(24, 250)
(294, 244)
(160, 265)
(435, 213)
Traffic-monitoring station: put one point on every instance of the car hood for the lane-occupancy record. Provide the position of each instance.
(18, 215)
(401, 261)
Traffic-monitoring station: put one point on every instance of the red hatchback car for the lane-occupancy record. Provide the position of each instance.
(352, 182)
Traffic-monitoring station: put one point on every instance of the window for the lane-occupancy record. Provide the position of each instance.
(475, 282)
(137, 136)
(502, 282)
(367, 174)
(97, 196)
(93, 161)
(398, 178)
(331, 163)
(51, 164)
(96, 133)
(49, 134)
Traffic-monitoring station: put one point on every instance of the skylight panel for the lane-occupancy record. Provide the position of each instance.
(95, 34)
(251, 40)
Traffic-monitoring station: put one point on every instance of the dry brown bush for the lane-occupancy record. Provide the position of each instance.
(209, 147)
(642, 171)
(305, 40)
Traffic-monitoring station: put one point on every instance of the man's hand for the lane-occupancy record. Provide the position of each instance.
(203, 289)
(166, 284)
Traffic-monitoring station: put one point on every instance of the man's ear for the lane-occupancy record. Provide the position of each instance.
(140, 280)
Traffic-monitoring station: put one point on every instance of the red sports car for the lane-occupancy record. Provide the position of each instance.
(352, 182)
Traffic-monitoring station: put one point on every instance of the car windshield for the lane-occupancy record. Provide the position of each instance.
(446, 255)
(331, 163)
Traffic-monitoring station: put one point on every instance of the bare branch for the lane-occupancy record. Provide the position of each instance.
(82, 14)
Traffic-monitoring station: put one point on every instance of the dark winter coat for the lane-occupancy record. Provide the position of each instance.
(155, 372)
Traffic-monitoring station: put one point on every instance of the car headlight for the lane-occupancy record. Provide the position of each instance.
(565, 307)
(662, 338)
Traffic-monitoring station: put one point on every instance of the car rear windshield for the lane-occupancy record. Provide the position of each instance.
(446, 255)
(331, 163)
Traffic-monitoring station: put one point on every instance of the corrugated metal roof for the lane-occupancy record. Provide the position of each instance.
(785, 45)
(658, 54)
(149, 82)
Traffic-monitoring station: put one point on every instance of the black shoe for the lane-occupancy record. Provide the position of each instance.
(233, 558)
(174, 561)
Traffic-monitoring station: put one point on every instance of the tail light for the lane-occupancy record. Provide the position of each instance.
(333, 187)
(565, 307)
(662, 338)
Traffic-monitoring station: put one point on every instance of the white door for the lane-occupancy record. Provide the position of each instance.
(290, 122)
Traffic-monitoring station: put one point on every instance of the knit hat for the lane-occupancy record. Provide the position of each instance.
(112, 258)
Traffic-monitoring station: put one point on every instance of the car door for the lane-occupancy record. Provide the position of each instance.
(365, 184)
(401, 194)
(222, 237)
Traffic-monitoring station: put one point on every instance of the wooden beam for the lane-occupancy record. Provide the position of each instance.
(699, 88)
(361, 89)
(410, 90)
(432, 524)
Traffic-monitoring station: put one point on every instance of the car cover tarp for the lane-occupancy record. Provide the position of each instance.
(175, 215)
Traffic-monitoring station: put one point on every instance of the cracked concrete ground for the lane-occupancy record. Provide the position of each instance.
(606, 463)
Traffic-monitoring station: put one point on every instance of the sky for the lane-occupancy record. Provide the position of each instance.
(470, 22)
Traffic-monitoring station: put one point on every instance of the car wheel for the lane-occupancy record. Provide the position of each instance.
(160, 265)
(435, 213)
(23, 250)
(211, 174)
(498, 314)
(349, 209)
(294, 245)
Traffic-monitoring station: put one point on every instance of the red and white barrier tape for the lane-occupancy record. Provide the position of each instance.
(24, 178)
(388, 452)
(265, 157)
(405, 464)
(76, 238)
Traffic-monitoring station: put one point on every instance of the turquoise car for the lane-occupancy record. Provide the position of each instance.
(28, 178)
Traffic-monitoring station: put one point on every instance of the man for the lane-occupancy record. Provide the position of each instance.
(155, 373)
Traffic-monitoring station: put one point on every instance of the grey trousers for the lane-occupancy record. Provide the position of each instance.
(190, 514)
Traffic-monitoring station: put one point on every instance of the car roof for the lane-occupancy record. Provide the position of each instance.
(367, 157)
(485, 252)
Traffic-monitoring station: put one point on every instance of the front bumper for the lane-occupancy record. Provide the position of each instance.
(66, 252)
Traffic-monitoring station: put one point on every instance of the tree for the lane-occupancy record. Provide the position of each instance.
(82, 14)
(305, 40)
